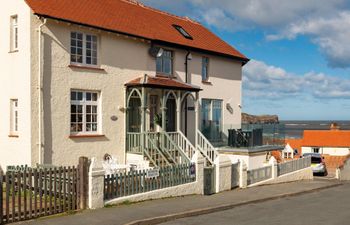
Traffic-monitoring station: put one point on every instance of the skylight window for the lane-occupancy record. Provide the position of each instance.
(183, 32)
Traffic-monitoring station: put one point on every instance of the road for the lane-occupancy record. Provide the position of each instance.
(327, 207)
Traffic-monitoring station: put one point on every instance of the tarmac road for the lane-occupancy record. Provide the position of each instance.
(326, 207)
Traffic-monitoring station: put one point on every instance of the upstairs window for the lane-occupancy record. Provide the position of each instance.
(205, 68)
(84, 112)
(14, 116)
(165, 63)
(14, 33)
(83, 49)
(183, 32)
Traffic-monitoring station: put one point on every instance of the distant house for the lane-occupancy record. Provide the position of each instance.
(326, 142)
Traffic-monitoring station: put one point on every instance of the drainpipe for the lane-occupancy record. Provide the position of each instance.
(40, 75)
(188, 57)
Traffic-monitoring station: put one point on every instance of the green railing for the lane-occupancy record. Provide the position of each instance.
(153, 153)
(258, 175)
(293, 165)
(172, 149)
(133, 141)
(135, 182)
(184, 144)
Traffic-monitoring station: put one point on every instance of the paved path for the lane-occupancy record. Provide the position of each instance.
(127, 213)
(326, 207)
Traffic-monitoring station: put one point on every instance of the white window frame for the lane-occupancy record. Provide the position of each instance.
(84, 49)
(314, 149)
(14, 117)
(14, 33)
(84, 103)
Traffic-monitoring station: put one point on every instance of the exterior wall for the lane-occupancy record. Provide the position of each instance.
(15, 84)
(334, 151)
(344, 172)
(252, 161)
(117, 58)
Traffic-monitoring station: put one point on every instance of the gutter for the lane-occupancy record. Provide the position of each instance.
(40, 89)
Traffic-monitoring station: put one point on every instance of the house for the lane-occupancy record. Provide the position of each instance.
(333, 144)
(111, 77)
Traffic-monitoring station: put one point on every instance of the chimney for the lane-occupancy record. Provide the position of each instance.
(335, 126)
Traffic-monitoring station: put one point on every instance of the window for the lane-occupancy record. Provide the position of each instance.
(14, 116)
(83, 49)
(14, 33)
(316, 150)
(183, 32)
(84, 112)
(165, 63)
(205, 67)
(212, 119)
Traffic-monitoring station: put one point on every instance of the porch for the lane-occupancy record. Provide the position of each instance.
(162, 121)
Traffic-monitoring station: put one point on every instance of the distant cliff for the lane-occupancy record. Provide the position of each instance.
(262, 119)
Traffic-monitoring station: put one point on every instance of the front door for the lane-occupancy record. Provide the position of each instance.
(171, 115)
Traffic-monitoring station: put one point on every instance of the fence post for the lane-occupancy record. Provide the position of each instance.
(96, 185)
(274, 169)
(243, 174)
(223, 174)
(84, 181)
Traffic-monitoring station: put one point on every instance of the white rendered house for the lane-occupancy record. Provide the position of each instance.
(89, 78)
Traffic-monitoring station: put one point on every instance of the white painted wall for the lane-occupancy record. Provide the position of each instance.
(252, 161)
(15, 84)
(334, 151)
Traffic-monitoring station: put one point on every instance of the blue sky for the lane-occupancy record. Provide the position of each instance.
(299, 51)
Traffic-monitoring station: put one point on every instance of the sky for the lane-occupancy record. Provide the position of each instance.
(299, 51)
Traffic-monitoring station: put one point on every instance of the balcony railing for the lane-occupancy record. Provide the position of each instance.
(246, 135)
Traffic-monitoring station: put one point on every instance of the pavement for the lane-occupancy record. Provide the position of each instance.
(163, 210)
(326, 207)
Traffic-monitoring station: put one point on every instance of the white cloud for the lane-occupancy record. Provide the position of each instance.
(264, 81)
(326, 22)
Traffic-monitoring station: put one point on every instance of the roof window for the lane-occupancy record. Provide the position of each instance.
(183, 32)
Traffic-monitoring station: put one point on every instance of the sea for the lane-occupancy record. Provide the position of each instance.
(295, 128)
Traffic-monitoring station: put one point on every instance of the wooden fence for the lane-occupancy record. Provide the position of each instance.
(134, 182)
(32, 193)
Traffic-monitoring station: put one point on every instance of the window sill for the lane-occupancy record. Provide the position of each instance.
(85, 67)
(165, 75)
(206, 82)
(13, 51)
(13, 136)
(86, 136)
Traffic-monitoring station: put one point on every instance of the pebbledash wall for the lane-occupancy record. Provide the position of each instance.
(334, 151)
(121, 58)
(15, 84)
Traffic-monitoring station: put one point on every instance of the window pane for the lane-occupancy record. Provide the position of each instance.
(88, 96)
(73, 95)
(80, 96)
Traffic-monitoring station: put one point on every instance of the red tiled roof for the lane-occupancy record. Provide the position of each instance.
(295, 144)
(161, 82)
(326, 138)
(135, 19)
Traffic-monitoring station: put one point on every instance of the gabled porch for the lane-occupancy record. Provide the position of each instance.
(158, 125)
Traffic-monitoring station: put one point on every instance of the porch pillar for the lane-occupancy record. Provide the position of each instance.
(163, 111)
(196, 117)
(143, 110)
(178, 111)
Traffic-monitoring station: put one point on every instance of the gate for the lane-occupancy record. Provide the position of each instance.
(235, 175)
(209, 180)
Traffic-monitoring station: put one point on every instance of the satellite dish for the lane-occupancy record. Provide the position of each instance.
(156, 51)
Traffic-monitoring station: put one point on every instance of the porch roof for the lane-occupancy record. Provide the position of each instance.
(162, 83)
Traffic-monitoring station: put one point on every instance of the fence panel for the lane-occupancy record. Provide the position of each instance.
(135, 182)
(294, 165)
(258, 175)
(31, 193)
